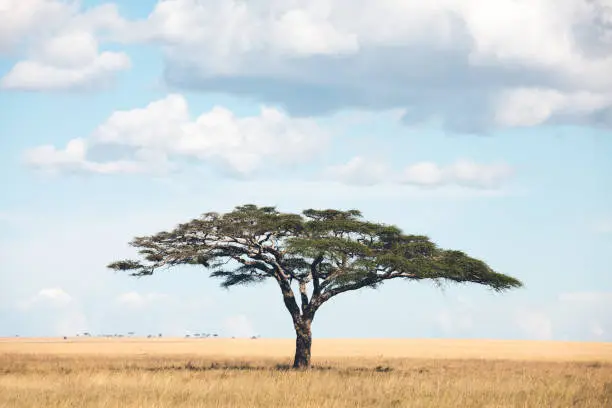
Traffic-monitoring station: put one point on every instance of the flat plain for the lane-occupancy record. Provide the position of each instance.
(173, 372)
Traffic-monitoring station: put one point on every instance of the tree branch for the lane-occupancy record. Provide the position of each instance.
(256, 264)
(368, 281)
(314, 272)
(289, 298)
(328, 294)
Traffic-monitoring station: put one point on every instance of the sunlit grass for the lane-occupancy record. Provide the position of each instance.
(238, 373)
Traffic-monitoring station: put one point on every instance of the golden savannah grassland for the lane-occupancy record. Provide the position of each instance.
(347, 373)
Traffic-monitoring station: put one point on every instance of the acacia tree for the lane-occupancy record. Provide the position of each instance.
(320, 253)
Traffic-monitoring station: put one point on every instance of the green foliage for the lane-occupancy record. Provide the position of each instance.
(331, 250)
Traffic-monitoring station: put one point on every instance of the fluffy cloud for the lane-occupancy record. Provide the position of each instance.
(471, 65)
(532, 106)
(164, 129)
(62, 43)
(51, 311)
(49, 297)
(35, 75)
(463, 173)
(73, 159)
(21, 20)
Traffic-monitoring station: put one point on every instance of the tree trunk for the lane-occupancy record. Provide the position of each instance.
(303, 342)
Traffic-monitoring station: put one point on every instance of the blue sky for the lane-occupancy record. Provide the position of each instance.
(485, 127)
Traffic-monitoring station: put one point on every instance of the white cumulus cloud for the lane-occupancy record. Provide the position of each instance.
(73, 158)
(164, 129)
(51, 311)
(56, 297)
(21, 20)
(471, 64)
(61, 45)
(534, 106)
(464, 173)
(33, 75)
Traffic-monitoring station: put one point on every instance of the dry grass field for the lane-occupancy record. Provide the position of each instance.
(347, 373)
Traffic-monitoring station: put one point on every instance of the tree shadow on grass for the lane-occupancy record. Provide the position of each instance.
(190, 366)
